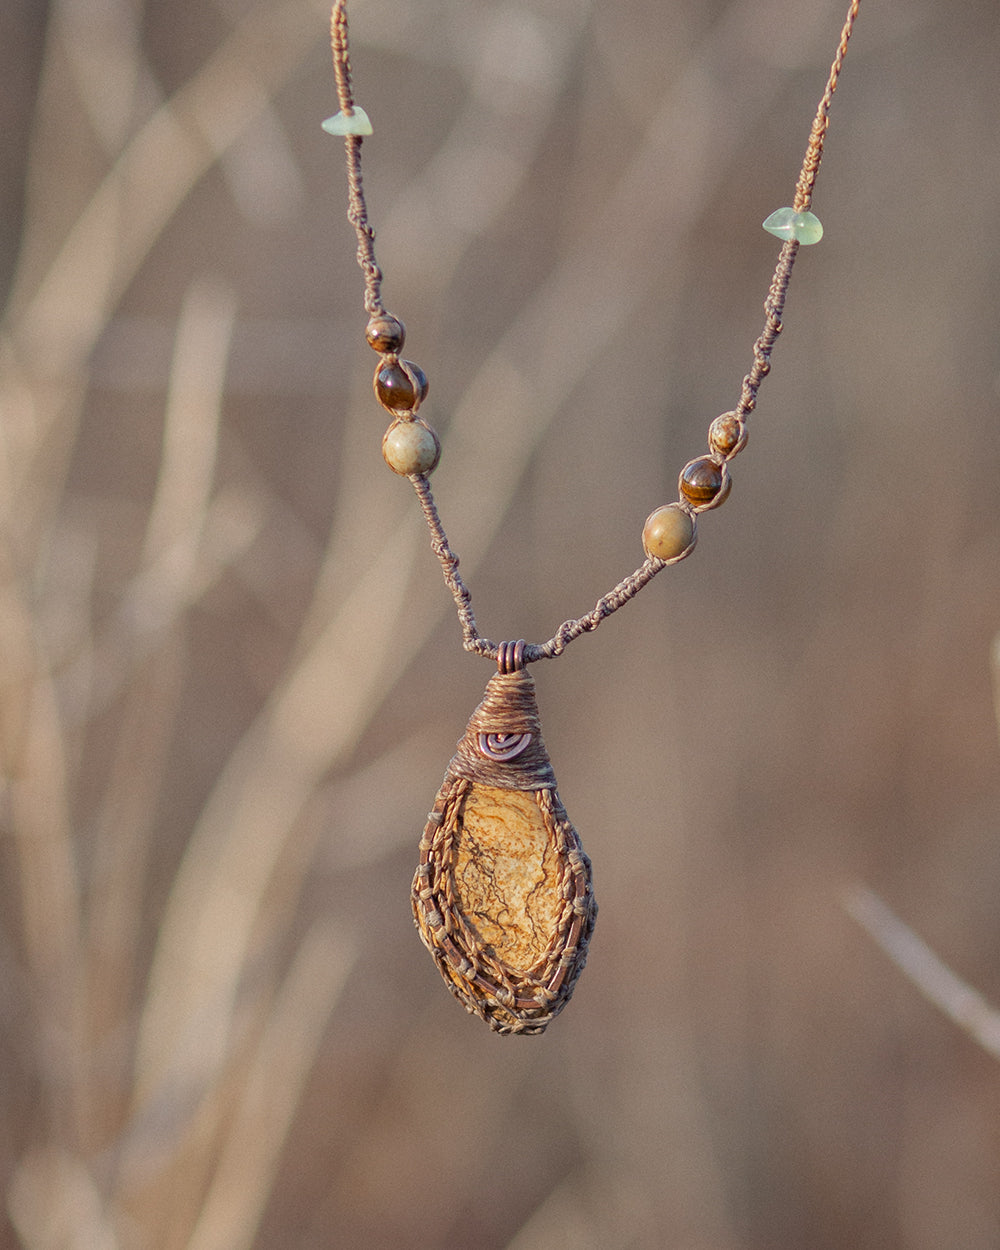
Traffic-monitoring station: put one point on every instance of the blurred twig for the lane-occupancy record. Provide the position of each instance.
(962, 1004)
(249, 1155)
(941, 986)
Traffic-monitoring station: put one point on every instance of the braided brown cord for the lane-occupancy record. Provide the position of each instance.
(814, 152)
(357, 213)
(773, 307)
(472, 640)
(626, 589)
(775, 302)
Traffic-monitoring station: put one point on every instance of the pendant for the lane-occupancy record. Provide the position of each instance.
(502, 897)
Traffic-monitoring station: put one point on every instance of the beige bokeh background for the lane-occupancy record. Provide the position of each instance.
(232, 677)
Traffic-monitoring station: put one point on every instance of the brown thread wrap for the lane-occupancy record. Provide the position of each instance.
(508, 707)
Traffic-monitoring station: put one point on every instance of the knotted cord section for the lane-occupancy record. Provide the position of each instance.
(774, 304)
(626, 589)
(357, 212)
(814, 152)
(471, 638)
(473, 641)
(773, 307)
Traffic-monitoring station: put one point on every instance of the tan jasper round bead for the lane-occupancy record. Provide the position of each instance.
(411, 447)
(727, 435)
(668, 533)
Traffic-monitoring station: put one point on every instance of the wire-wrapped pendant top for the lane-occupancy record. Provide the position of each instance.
(502, 744)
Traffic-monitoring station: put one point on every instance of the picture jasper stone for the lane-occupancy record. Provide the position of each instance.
(502, 897)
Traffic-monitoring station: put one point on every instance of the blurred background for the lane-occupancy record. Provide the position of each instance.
(232, 677)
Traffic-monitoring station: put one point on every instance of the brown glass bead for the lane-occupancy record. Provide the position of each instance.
(704, 483)
(385, 333)
(394, 388)
(669, 532)
(727, 435)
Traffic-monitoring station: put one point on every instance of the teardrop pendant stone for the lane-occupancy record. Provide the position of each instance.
(786, 223)
(502, 897)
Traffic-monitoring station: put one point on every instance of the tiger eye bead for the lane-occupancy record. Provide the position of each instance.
(395, 390)
(411, 447)
(727, 435)
(385, 333)
(669, 532)
(704, 483)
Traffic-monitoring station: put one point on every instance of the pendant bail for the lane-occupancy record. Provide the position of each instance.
(510, 656)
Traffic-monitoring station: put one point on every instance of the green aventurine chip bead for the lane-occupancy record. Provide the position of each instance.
(411, 447)
(354, 123)
(727, 434)
(786, 223)
(668, 533)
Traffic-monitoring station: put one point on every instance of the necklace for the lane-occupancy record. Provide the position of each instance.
(502, 896)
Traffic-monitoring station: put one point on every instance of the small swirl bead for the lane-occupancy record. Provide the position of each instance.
(411, 447)
(400, 386)
(385, 333)
(704, 483)
(727, 435)
(669, 533)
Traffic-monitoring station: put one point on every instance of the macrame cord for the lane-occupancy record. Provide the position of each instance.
(502, 895)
